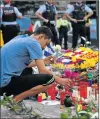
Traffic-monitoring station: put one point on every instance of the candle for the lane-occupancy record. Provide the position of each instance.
(96, 94)
(97, 97)
(53, 96)
(83, 92)
(83, 107)
(73, 94)
(89, 91)
(39, 98)
(62, 97)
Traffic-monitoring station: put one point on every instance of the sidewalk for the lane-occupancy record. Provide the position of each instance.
(45, 111)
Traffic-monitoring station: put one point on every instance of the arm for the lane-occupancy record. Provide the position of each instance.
(56, 14)
(68, 12)
(18, 14)
(40, 16)
(89, 11)
(37, 55)
(1, 12)
(47, 60)
(89, 15)
(88, 24)
(43, 69)
(39, 13)
(70, 18)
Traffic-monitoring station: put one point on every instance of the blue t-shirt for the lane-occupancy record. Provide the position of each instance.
(16, 55)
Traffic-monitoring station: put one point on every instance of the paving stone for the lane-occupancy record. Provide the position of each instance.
(45, 111)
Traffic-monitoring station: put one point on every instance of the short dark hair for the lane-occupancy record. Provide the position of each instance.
(44, 30)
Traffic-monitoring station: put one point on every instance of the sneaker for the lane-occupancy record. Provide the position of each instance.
(24, 110)
(74, 49)
(19, 108)
(88, 43)
(81, 45)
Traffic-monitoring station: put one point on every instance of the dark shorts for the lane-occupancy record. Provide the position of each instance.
(23, 83)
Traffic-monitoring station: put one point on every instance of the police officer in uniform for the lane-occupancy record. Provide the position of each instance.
(9, 25)
(78, 19)
(48, 14)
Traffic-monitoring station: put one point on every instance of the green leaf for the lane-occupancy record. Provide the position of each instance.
(83, 117)
(64, 116)
(74, 117)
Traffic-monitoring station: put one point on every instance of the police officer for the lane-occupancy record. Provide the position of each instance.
(48, 14)
(9, 25)
(78, 19)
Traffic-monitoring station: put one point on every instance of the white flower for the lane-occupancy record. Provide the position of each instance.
(57, 47)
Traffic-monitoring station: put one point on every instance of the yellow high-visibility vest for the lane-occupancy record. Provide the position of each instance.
(89, 21)
(62, 22)
(1, 39)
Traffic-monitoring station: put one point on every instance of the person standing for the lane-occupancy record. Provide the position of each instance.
(9, 26)
(48, 14)
(62, 25)
(78, 19)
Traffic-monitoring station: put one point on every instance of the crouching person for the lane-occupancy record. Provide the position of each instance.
(26, 51)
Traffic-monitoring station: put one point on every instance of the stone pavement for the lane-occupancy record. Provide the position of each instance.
(45, 111)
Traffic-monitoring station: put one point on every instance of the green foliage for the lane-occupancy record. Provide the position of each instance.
(74, 117)
(82, 114)
(91, 106)
(17, 108)
(64, 116)
(10, 103)
(83, 117)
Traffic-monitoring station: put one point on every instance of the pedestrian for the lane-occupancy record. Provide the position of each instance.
(63, 25)
(48, 14)
(78, 14)
(9, 26)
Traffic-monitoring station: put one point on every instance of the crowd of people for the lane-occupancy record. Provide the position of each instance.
(24, 52)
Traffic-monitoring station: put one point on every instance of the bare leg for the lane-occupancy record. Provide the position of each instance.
(31, 92)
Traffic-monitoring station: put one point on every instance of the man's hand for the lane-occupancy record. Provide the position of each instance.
(74, 20)
(85, 18)
(46, 20)
(65, 82)
(87, 24)
(50, 60)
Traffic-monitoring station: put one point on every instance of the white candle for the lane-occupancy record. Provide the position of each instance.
(89, 92)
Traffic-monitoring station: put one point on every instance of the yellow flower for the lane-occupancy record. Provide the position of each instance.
(73, 59)
(79, 107)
